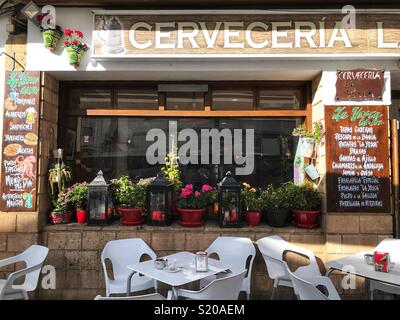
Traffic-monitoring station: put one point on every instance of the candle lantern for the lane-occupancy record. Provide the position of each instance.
(160, 201)
(230, 204)
(99, 201)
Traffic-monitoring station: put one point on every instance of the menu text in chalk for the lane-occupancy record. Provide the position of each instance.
(357, 159)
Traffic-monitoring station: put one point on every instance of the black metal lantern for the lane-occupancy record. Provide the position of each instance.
(230, 202)
(160, 201)
(99, 201)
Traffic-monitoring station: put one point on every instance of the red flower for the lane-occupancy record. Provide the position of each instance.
(68, 32)
(75, 43)
(79, 33)
(85, 46)
(66, 43)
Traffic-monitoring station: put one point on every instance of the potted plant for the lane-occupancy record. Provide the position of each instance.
(252, 205)
(308, 139)
(59, 176)
(191, 206)
(78, 196)
(61, 212)
(276, 204)
(173, 174)
(131, 201)
(51, 36)
(211, 195)
(306, 203)
(75, 47)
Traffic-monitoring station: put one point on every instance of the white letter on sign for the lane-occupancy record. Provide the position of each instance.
(162, 34)
(132, 37)
(189, 35)
(249, 39)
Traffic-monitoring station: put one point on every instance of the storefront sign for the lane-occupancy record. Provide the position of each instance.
(359, 85)
(124, 35)
(20, 141)
(357, 159)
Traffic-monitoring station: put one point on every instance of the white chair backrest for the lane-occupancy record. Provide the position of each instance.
(392, 246)
(124, 252)
(307, 291)
(226, 288)
(151, 296)
(34, 256)
(234, 252)
(273, 249)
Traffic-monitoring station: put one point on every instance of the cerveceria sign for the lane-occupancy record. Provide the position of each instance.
(122, 35)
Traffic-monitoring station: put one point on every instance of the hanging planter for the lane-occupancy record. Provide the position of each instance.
(75, 47)
(51, 37)
(307, 147)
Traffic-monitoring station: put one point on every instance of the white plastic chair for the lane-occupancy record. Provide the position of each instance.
(33, 257)
(234, 253)
(392, 246)
(306, 288)
(151, 296)
(273, 249)
(227, 288)
(122, 253)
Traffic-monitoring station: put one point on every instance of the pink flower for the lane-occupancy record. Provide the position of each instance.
(186, 193)
(206, 188)
(197, 194)
(189, 187)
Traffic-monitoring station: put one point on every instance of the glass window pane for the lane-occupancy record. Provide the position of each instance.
(232, 100)
(185, 101)
(137, 99)
(280, 99)
(89, 99)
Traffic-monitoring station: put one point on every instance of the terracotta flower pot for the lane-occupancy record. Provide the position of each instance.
(51, 37)
(191, 217)
(131, 216)
(253, 218)
(74, 57)
(60, 218)
(306, 219)
(81, 216)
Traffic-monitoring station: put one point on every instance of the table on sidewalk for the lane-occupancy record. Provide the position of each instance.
(185, 261)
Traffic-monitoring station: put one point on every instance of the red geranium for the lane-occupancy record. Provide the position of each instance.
(79, 33)
(75, 43)
(66, 43)
(68, 32)
(74, 40)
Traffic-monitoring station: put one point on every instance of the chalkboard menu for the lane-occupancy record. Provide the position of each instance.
(357, 159)
(20, 141)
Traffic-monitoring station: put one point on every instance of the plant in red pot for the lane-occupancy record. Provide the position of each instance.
(252, 205)
(79, 197)
(61, 212)
(192, 206)
(131, 200)
(307, 204)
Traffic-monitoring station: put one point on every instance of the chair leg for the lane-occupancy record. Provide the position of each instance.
(273, 292)
(155, 286)
(25, 295)
(248, 295)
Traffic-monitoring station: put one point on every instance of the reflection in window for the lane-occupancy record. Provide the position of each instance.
(118, 146)
(232, 100)
(87, 99)
(185, 101)
(279, 99)
(137, 99)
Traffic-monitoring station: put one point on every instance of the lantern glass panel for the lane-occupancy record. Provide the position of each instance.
(99, 201)
(229, 202)
(160, 201)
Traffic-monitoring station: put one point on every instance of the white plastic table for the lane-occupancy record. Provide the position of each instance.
(362, 269)
(186, 261)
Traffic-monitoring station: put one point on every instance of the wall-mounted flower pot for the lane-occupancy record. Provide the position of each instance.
(74, 57)
(131, 216)
(307, 147)
(277, 217)
(191, 217)
(51, 37)
(253, 218)
(60, 218)
(81, 216)
(306, 219)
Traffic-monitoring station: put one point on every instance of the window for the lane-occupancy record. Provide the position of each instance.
(280, 99)
(185, 100)
(137, 99)
(232, 100)
(90, 98)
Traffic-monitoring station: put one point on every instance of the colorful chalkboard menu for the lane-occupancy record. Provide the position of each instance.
(20, 141)
(357, 159)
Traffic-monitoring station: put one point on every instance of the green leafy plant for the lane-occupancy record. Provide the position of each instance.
(317, 133)
(304, 197)
(61, 175)
(171, 169)
(228, 201)
(273, 198)
(191, 199)
(129, 194)
(62, 204)
(251, 199)
(78, 195)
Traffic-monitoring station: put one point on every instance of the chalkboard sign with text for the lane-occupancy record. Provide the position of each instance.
(357, 159)
(20, 141)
